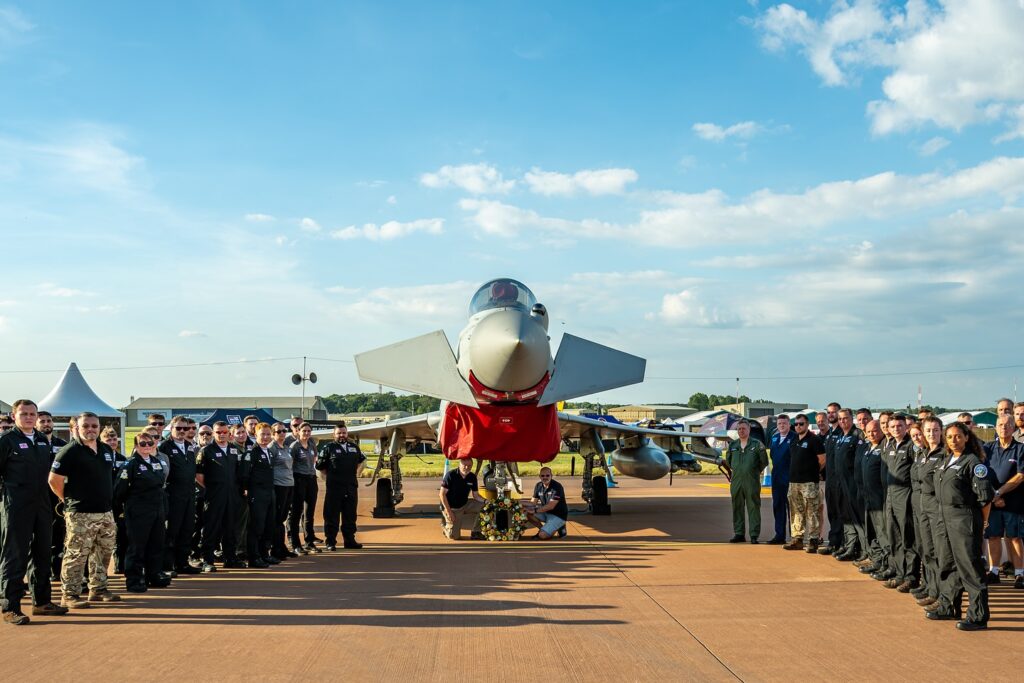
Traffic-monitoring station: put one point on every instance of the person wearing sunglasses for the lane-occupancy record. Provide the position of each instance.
(551, 511)
(180, 455)
(204, 437)
(806, 459)
(82, 476)
(284, 483)
(256, 476)
(141, 487)
(156, 420)
(216, 474)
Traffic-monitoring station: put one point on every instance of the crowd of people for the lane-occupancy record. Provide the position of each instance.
(925, 508)
(239, 496)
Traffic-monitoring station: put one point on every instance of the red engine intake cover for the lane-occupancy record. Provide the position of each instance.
(513, 433)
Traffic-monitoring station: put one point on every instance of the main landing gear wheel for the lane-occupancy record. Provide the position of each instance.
(599, 497)
(385, 507)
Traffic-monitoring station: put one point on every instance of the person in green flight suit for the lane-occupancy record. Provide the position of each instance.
(747, 457)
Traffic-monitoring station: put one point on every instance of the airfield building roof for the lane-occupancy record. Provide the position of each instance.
(221, 402)
(201, 407)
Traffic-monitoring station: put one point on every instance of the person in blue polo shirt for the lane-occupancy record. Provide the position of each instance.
(1005, 461)
(778, 449)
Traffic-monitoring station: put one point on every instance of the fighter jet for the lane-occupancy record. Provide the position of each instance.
(499, 393)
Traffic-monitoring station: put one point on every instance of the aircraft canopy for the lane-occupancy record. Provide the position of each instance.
(502, 293)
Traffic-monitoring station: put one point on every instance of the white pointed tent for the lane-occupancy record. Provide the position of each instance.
(73, 395)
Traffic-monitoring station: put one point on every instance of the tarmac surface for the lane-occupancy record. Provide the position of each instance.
(651, 592)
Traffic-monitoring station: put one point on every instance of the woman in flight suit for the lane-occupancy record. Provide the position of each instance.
(141, 487)
(963, 487)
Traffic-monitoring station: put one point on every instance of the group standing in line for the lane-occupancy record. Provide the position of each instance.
(177, 505)
(925, 508)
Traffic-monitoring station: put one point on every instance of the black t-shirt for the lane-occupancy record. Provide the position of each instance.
(90, 477)
(459, 488)
(553, 492)
(804, 467)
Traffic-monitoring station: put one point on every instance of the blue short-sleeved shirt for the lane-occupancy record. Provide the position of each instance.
(1003, 464)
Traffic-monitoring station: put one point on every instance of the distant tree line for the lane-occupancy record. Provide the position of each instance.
(374, 402)
(417, 403)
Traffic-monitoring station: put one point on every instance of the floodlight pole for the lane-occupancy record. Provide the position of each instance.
(302, 379)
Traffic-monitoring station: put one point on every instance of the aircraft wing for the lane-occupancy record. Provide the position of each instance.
(422, 427)
(574, 426)
(422, 365)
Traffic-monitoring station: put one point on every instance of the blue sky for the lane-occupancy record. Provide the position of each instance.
(748, 189)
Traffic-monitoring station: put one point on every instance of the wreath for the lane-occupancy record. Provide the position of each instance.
(503, 510)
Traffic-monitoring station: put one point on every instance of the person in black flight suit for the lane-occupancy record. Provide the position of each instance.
(44, 428)
(833, 491)
(963, 485)
(181, 497)
(257, 479)
(872, 490)
(899, 456)
(342, 462)
(26, 517)
(141, 487)
(203, 439)
(846, 442)
(216, 473)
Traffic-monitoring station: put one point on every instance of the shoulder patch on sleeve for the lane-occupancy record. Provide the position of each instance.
(980, 471)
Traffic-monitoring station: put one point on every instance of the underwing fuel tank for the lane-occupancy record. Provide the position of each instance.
(643, 462)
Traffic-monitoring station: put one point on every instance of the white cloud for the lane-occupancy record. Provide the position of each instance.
(440, 304)
(390, 230)
(686, 308)
(473, 178)
(185, 334)
(743, 131)
(86, 156)
(952, 64)
(14, 26)
(685, 219)
(497, 218)
(392, 200)
(593, 182)
(52, 290)
(371, 183)
(259, 218)
(309, 225)
(932, 146)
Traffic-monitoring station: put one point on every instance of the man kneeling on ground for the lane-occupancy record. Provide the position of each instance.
(460, 500)
(551, 512)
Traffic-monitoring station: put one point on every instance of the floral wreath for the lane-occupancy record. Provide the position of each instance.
(489, 519)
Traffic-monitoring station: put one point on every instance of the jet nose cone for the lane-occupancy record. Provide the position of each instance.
(509, 351)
